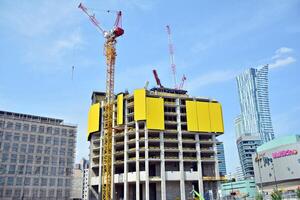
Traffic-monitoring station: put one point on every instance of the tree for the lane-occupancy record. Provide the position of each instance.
(298, 192)
(276, 195)
(259, 196)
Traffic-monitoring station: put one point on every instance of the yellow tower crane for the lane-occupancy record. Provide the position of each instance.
(110, 53)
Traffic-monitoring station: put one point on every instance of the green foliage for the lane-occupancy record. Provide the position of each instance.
(259, 196)
(276, 195)
(298, 192)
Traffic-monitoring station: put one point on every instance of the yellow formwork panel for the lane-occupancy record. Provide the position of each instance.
(94, 118)
(120, 109)
(203, 117)
(139, 104)
(155, 113)
(191, 116)
(216, 117)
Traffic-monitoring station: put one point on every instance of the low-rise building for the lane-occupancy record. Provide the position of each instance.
(80, 181)
(277, 164)
(245, 189)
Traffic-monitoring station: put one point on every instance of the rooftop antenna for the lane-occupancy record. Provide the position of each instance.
(73, 72)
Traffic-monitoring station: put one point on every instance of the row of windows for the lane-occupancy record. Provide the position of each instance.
(34, 128)
(24, 148)
(30, 159)
(28, 181)
(35, 170)
(40, 139)
(42, 193)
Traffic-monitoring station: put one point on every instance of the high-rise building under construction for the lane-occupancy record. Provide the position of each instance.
(164, 145)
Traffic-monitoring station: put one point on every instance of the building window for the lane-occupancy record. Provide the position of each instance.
(6, 147)
(22, 159)
(15, 147)
(52, 181)
(2, 124)
(2, 181)
(47, 150)
(46, 160)
(17, 192)
(40, 139)
(39, 149)
(35, 192)
(49, 130)
(16, 137)
(63, 141)
(48, 140)
(9, 125)
(64, 132)
(54, 160)
(61, 171)
(38, 159)
(20, 169)
(68, 182)
(56, 141)
(31, 148)
(61, 162)
(12, 169)
(25, 127)
(5, 157)
(2, 169)
(55, 151)
(23, 148)
(19, 181)
(27, 181)
(28, 169)
(41, 129)
(33, 128)
(60, 182)
(18, 126)
(45, 171)
(37, 170)
(8, 136)
(53, 171)
(10, 181)
(44, 181)
(24, 138)
(8, 192)
(32, 138)
(56, 131)
(36, 182)
(62, 151)
(29, 159)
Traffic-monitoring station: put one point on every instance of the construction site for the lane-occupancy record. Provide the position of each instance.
(151, 144)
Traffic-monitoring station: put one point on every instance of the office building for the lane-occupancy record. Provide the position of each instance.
(37, 157)
(255, 117)
(277, 164)
(247, 146)
(239, 175)
(221, 158)
(164, 145)
(80, 181)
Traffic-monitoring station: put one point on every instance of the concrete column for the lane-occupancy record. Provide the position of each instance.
(146, 163)
(137, 163)
(181, 167)
(200, 176)
(162, 167)
(126, 196)
(217, 174)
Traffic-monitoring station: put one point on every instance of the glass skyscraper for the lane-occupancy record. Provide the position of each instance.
(253, 126)
(255, 114)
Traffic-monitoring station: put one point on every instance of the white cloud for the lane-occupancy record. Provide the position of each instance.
(282, 51)
(282, 58)
(281, 62)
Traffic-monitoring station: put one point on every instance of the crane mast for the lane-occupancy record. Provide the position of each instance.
(110, 54)
(171, 52)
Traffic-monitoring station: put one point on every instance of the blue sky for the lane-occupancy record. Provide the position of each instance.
(214, 41)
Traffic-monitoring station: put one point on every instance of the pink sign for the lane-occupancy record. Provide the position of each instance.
(284, 153)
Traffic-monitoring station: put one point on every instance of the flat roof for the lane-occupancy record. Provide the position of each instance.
(285, 140)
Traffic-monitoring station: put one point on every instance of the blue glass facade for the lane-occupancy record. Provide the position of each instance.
(221, 159)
